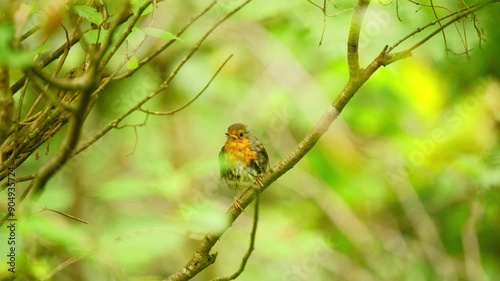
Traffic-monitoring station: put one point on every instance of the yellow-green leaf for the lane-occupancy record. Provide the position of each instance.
(132, 63)
(88, 13)
(159, 33)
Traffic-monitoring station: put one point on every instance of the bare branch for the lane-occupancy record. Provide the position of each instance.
(28, 33)
(353, 40)
(172, 112)
(134, 127)
(442, 29)
(455, 17)
(62, 214)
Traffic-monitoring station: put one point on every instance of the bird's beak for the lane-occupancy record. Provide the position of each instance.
(231, 136)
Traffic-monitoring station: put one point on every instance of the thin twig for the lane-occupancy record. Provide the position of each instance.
(455, 16)
(172, 112)
(323, 11)
(251, 247)
(134, 127)
(62, 214)
(28, 33)
(464, 12)
(442, 29)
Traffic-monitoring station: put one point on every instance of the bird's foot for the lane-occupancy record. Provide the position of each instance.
(237, 203)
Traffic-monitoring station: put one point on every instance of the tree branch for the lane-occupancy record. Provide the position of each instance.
(353, 39)
(456, 16)
(67, 147)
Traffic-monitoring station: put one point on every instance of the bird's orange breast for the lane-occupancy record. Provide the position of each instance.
(239, 150)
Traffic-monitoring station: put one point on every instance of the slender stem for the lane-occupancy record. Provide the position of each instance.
(455, 16)
(251, 247)
(172, 112)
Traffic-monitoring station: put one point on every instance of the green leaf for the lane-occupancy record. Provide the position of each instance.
(95, 36)
(88, 13)
(132, 63)
(159, 33)
(137, 4)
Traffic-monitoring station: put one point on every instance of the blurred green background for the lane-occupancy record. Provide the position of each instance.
(404, 185)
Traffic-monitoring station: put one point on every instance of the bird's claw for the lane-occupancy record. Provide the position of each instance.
(237, 203)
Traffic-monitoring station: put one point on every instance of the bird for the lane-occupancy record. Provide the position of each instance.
(243, 159)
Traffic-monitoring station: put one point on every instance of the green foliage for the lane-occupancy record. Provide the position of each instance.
(88, 13)
(158, 33)
(95, 36)
(388, 193)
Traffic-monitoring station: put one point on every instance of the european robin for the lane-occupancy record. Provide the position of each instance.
(243, 159)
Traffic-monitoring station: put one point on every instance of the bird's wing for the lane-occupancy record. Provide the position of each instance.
(262, 162)
(223, 165)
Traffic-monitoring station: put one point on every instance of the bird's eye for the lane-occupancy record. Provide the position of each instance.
(241, 134)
